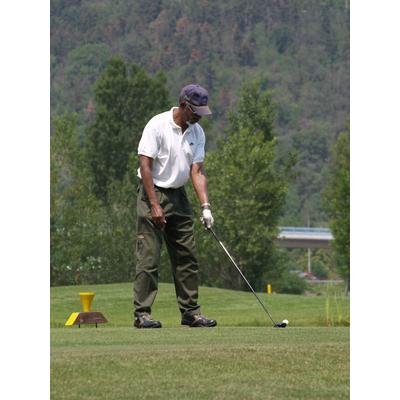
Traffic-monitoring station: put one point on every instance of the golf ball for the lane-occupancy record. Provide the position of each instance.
(285, 321)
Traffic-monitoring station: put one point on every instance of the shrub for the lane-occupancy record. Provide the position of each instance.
(290, 283)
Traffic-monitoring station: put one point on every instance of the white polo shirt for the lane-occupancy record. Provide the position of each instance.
(173, 152)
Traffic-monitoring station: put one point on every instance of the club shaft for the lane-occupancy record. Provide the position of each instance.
(241, 273)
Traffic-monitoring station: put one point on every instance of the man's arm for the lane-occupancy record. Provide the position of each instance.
(199, 181)
(157, 213)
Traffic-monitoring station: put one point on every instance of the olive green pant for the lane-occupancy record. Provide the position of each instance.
(179, 239)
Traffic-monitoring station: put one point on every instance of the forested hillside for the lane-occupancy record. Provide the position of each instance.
(298, 49)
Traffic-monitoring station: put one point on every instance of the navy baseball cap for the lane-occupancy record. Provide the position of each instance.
(197, 96)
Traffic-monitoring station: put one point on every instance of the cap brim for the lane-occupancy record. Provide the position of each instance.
(201, 110)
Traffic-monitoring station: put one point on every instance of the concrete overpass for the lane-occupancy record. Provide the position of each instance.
(306, 238)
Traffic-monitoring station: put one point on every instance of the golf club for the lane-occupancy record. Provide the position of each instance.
(282, 324)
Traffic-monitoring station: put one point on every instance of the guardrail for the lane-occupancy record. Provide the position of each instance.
(305, 229)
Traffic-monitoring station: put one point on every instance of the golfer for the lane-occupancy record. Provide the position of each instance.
(171, 151)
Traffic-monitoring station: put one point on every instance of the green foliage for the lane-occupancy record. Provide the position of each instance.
(255, 111)
(93, 240)
(337, 202)
(93, 187)
(289, 282)
(90, 242)
(247, 193)
(125, 99)
(81, 68)
(322, 264)
(299, 49)
(312, 146)
(74, 209)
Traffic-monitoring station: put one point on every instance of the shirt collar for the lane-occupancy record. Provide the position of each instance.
(172, 122)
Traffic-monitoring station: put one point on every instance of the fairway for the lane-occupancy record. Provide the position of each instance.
(230, 361)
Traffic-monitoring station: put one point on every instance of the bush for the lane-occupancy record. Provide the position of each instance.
(290, 283)
(319, 269)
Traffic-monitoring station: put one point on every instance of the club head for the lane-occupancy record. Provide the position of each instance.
(281, 325)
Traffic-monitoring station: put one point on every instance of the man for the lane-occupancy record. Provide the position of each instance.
(171, 151)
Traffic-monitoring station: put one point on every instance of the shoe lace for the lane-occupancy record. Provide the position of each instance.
(145, 317)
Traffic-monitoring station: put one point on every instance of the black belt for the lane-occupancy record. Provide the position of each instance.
(169, 189)
(162, 188)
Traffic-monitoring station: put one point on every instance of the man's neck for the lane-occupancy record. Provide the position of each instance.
(177, 115)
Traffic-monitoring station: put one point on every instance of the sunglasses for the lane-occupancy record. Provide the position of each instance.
(193, 112)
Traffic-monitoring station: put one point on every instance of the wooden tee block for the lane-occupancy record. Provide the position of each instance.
(91, 317)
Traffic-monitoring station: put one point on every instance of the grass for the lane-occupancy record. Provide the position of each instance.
(228, 307)
(242, 358)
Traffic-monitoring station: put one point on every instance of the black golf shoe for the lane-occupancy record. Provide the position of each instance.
(144, 320)
(198, 321)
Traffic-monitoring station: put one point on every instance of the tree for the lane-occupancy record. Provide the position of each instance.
(247, 193)
(312, 148)
(75, 211)
(337, 203)
(255, 111)
(93, 183)
(125, 99)
(300, 48)
(83, 65)
(90, 242)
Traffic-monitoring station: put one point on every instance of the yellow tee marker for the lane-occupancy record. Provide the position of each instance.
(87, 316)
(269, 288)
(72, 318)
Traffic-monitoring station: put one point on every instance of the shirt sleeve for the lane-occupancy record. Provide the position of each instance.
(149, 143)
(199, 153)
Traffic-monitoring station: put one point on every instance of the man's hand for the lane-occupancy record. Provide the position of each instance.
(199, 181)
(158, 216)
(206, 217)
(157, 213)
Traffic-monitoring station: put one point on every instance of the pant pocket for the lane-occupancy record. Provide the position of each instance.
(139, 245)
